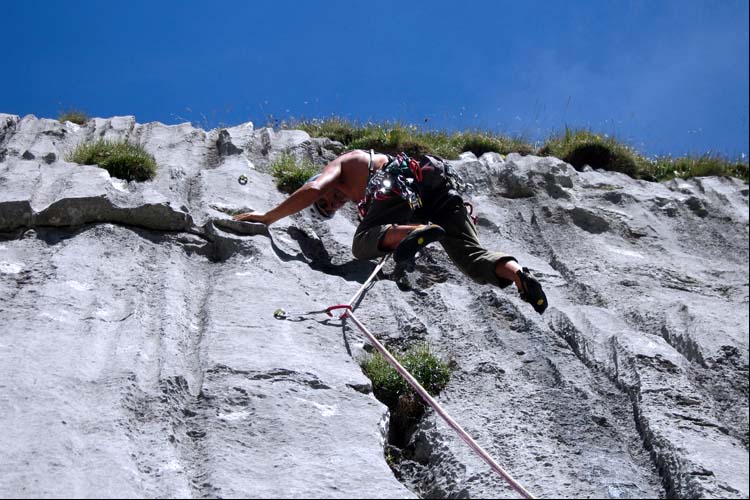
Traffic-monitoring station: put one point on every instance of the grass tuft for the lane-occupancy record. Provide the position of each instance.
(73, 115)
(120, 158)
(335, 128)
(579, 147)
(291, 174)
(664, 168)
(584, 147)
(404, 403)
(390, 387)
(395, 137)
(479, 142)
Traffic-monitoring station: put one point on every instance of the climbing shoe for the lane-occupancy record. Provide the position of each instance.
(418, 238)
(531, 290)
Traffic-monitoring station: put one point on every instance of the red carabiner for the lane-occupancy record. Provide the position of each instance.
(339, 306)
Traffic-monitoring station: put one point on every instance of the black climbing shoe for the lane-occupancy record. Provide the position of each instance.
(418, 238)
(531, 290)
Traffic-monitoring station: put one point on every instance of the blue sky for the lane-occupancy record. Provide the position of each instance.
(668, 77)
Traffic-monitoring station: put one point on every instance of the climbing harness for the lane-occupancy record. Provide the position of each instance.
(400, 177)
(348, 312)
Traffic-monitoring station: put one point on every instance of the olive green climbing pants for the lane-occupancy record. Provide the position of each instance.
(443, 206)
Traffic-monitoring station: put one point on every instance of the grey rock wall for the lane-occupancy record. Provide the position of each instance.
(139, 354)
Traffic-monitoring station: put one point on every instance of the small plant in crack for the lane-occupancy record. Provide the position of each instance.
(390, 387)
(291, 173)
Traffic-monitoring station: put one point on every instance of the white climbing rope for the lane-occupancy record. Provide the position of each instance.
(349, 313)
(438, 409)
(372, 276)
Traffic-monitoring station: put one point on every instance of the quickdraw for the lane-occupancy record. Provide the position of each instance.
(282, 314)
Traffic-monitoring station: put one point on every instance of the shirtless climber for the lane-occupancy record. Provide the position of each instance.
(405, 204)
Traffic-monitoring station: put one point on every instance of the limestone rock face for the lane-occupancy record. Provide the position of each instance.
(139, 355)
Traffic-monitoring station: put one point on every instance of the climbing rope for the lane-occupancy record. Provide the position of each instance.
(282, 314)
(349, 313)
(367, 283)
(438, 409)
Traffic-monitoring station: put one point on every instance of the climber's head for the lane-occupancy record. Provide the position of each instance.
(327, 205)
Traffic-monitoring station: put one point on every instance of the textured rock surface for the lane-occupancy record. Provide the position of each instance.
(139, 355)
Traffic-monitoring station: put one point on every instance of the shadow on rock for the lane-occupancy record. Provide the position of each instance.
(320, 259)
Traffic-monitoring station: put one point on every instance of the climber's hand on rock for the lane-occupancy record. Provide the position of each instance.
(252, 217)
